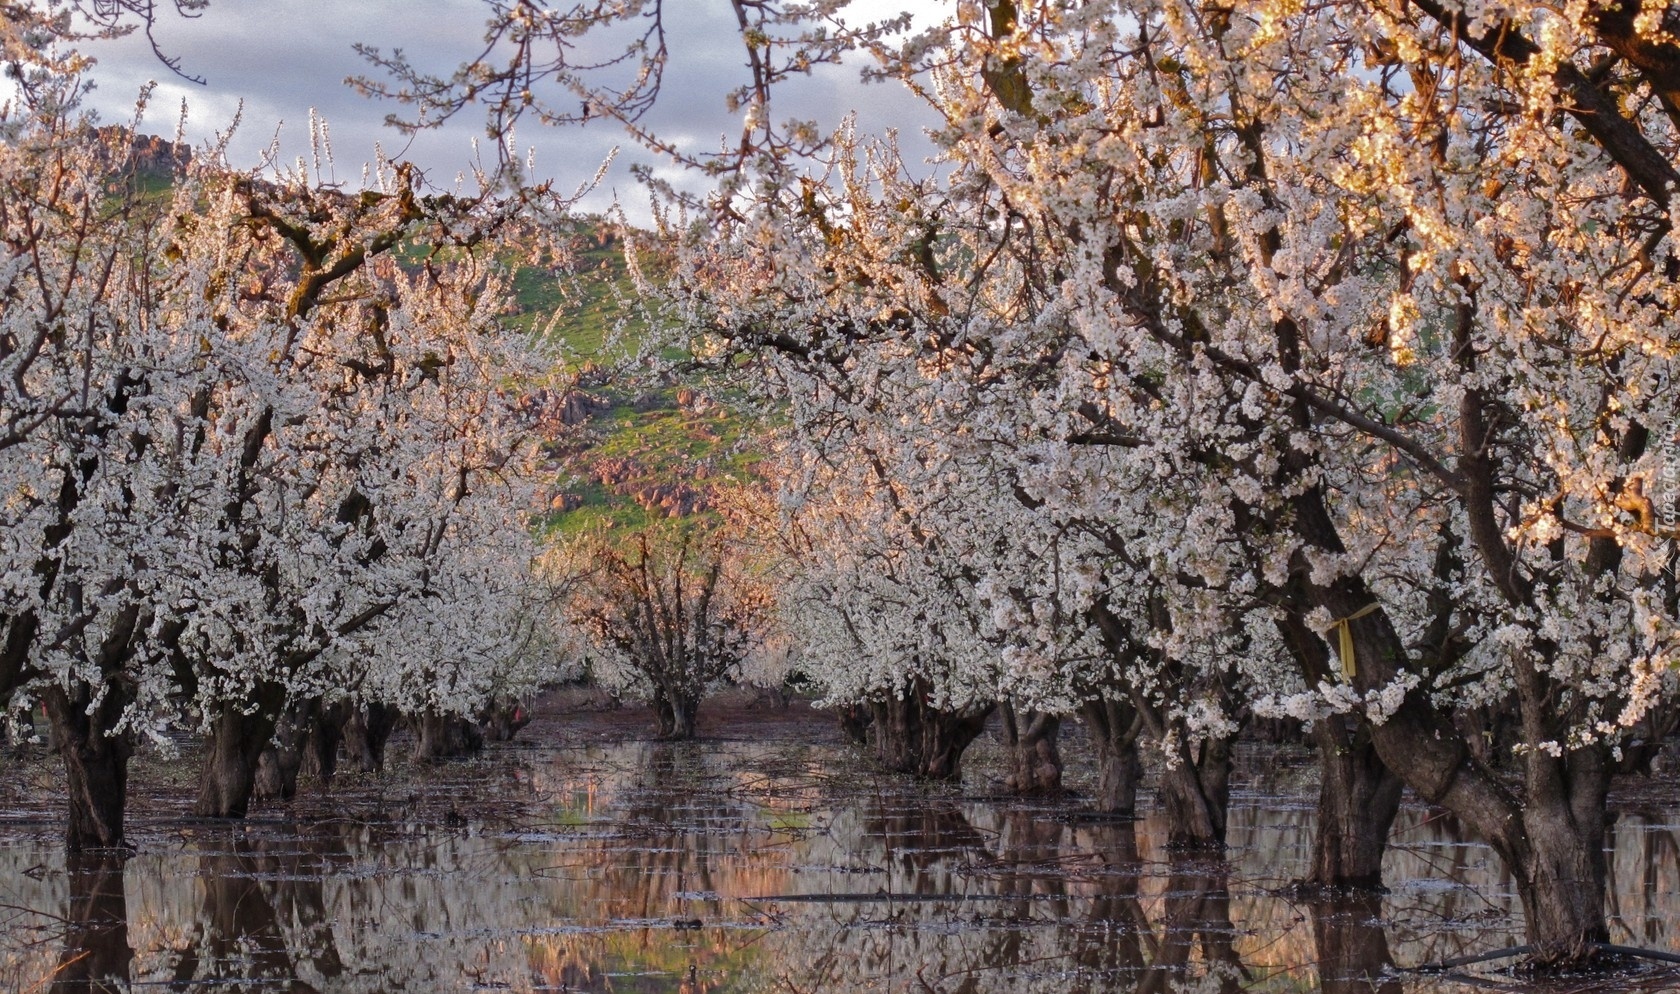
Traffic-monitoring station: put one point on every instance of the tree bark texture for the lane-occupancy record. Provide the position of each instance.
(1114, 727)
(1030, 744)
(365, 735)
(320, 749)
(909, 735)
(95, 764)
(1358, 798)
(1551, 836)
(232, 750)
(446, 736)
(1196, 792)
(281, 760)
(501, 720)
(676, 714)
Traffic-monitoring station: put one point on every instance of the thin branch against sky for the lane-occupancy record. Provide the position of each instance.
(269, 65)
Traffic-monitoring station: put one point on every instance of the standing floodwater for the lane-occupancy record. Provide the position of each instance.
(756, 866)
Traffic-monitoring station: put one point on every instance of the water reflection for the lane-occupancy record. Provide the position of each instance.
(97, 956)
(1196, 919)
(733, 867)
(263, 919)
(1353, 956)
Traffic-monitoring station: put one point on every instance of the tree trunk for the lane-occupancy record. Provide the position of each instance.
(1196, 789)
(95, 764)
(1035, 762)
(501, 719)
(911, 736)
(447, 736)
(97, 957)
(676, 712)
(19, 639)
(854, 723)
(1358, 798)
(1490, 731)
(282, 759)
(1114, 727)
(365, 735)
(1551, 836)
(320, 750)
(228, 777)
(1561, 874)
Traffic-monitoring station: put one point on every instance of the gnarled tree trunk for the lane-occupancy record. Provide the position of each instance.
(1029, 742)
(501, 719)
(1196, 791)
(365, 735)
(1358, 795)
(232, 750)
(1551, 837)
(909, 735)
(320, 750)
(854, 722)
(1114, 727)
(282, 759)
(95, 763)
(1195, 783)
(676, 713)
(1560, 869)
(446, 736)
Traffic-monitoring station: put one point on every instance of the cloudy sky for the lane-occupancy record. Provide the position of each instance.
(278, 59)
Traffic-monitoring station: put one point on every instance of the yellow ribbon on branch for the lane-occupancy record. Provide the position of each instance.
(1344, 638)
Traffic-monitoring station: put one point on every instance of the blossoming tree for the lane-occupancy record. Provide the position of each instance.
(1381, 291)
(666, 614)
(243, 446)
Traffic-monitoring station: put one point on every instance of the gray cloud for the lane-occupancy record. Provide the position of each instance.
(280, 59)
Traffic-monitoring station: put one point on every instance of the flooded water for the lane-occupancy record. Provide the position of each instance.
(729, 866)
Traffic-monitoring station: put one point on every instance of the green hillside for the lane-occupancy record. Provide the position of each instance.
(585, 299)
(636, 444)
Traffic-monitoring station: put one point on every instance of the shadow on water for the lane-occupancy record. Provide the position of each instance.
(742, 867)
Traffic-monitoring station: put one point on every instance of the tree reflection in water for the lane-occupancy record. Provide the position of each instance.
(1353, 956)
(1113, 945)
(745, 867)
(97, 957)
(1196, 917)
(264, 918)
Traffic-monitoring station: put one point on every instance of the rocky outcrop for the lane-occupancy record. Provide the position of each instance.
(147, 154)
(551, 412)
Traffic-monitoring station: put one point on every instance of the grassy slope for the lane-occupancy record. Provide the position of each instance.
(651, 441)
(590, 293)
